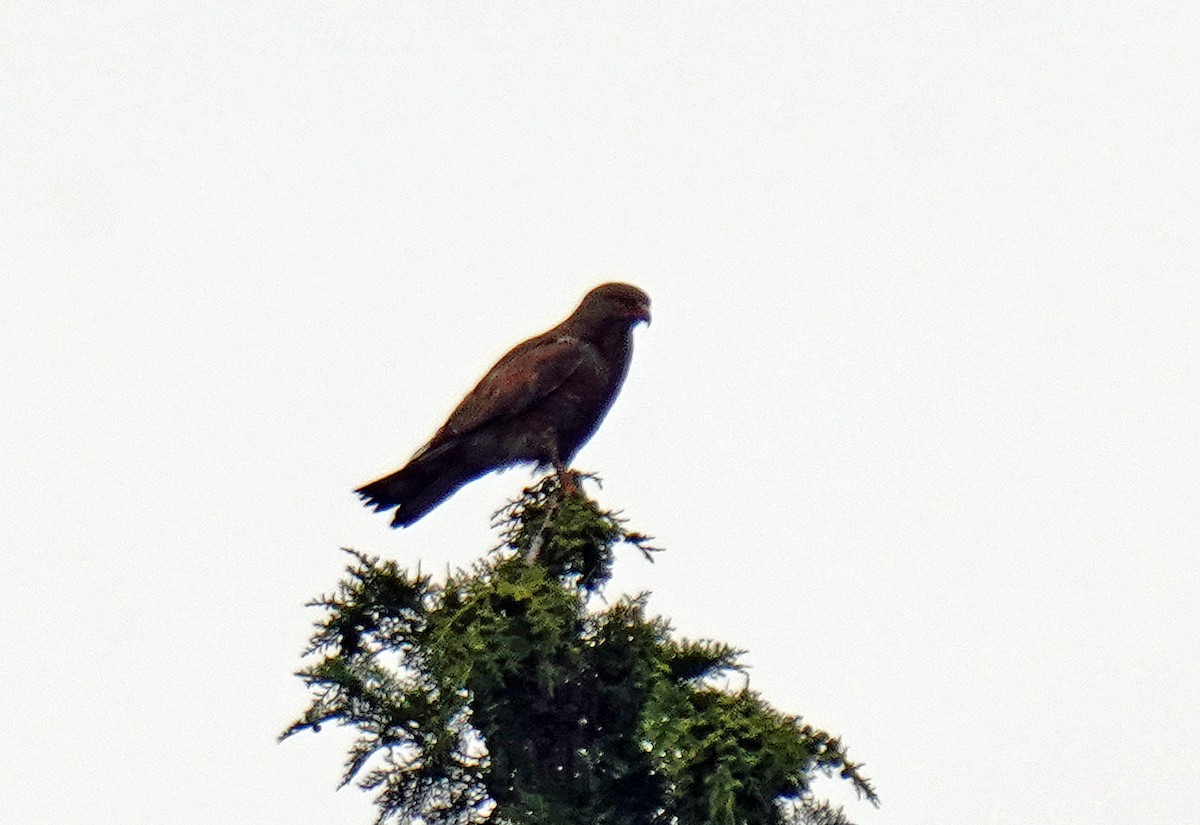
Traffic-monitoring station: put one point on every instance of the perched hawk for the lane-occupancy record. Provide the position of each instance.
(539, 404)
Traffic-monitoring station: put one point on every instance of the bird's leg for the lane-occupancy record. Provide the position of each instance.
(568, 479)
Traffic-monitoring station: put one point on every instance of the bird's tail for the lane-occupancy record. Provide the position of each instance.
(419, 486)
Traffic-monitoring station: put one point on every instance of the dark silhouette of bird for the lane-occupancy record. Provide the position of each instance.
(540, 403)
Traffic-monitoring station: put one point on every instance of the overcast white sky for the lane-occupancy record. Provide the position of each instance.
(916, 419)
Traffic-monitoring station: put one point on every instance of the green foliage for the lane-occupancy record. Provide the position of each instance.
(499, 696)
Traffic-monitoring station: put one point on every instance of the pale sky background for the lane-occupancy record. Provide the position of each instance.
(916, 420)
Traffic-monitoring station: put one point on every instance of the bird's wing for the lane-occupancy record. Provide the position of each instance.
(523, 377)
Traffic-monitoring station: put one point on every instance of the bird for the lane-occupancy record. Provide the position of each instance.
(539, 404)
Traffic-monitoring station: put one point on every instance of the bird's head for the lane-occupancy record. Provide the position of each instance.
(618, 301)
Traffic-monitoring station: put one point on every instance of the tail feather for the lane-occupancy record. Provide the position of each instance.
(419, 486)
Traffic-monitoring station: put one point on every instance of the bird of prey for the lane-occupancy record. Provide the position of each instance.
(538, 404)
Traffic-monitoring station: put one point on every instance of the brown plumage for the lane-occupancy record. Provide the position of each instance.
(539, 404)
